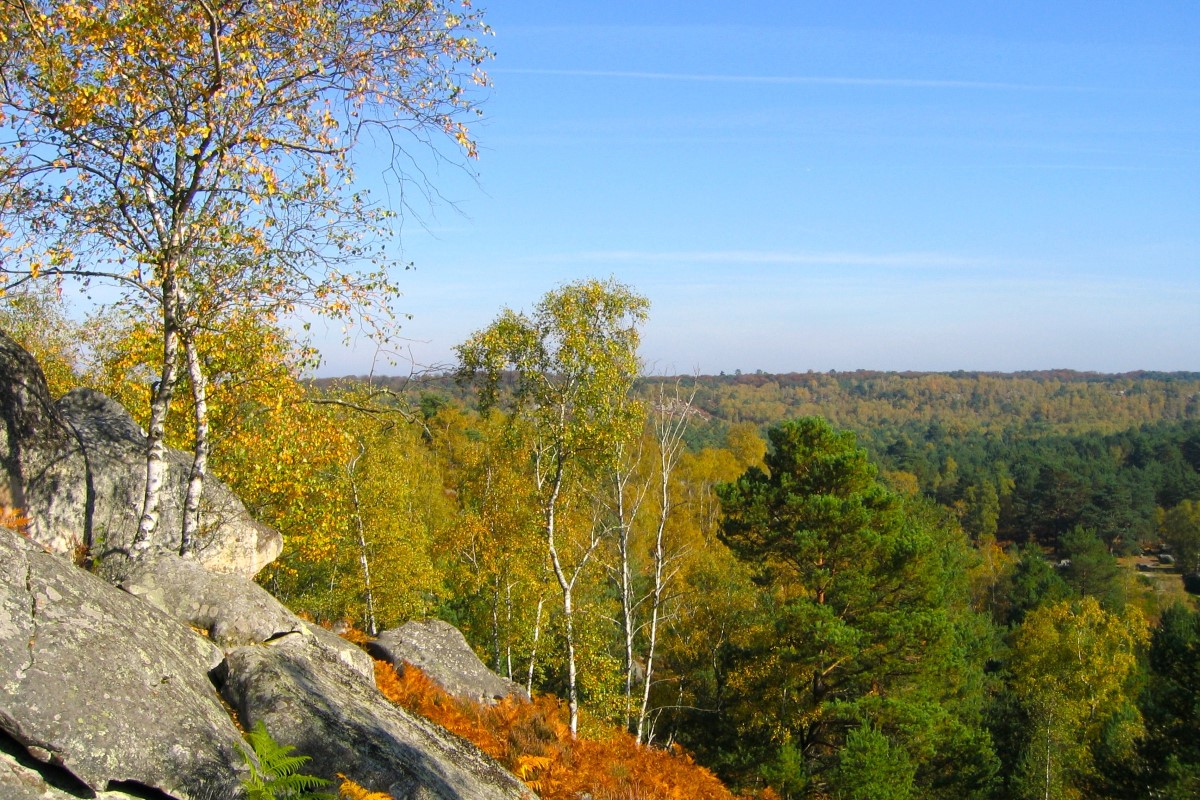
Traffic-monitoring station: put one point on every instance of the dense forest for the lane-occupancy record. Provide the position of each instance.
(859, 585)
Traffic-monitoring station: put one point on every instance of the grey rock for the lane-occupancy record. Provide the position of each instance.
(115, 449)
(231, 610)
(21, 778)
(77, 468)
(42, 469)
(441, 651)
(310, 699)
(96, 682)
(348, 653)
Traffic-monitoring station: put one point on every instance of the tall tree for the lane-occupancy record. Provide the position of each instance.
(1180, 528)
(645, 499)
(500, 579)
(1074, 669)
(861, 596)
(194, 152)
(1092, 570)
(574, 360)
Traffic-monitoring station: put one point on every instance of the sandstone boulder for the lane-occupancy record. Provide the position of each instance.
(441, 651)
(43, 470)
(231, 610)
(77, 469)
(348, 653)
(115, 448)
(96, 682)
(310, 699)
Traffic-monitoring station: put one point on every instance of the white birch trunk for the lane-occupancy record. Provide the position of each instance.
(670, 426)
(537, 632)
(364, 560)
(195, 488)
(156, 448)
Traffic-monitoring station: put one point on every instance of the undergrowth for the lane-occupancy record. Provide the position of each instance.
(276, 774)
(533, 740)
(14, 519)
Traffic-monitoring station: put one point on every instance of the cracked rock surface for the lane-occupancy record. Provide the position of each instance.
(235, 611)
(98, 683)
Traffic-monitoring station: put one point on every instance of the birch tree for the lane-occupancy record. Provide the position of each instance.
(647, 560)
(198, 154)
(574, 361)
(1075, 668)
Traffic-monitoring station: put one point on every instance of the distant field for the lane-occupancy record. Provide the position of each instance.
(1156, 588)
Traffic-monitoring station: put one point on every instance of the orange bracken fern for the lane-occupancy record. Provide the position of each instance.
(349, 790)
(14, 519)
(533, 740)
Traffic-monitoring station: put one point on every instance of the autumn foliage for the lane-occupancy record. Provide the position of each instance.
(533, 740)
(349, 790)
(14, 519)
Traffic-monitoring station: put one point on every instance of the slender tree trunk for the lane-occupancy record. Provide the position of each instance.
(656, 602)
(671, 422)
(508, 626)
(360, 530)
(572, 675)
(666, 463)
(156, 449)
(537, 632)
(195, 488)
(496, 624)
(566, 586)
(625, 585)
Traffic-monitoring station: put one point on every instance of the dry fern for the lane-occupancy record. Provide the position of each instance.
(15, 520)
(349, 790)
(533, 740)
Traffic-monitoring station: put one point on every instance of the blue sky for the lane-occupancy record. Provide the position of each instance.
(876, 185)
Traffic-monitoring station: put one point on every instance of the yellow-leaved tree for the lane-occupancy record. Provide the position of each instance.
(495, 553)
(1075, 670)
(575, 360)
(198, 156)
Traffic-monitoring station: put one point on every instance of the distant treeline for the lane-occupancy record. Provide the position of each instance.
(1024, 456)
(879, 406)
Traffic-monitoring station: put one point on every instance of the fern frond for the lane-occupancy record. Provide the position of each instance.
(275, 777)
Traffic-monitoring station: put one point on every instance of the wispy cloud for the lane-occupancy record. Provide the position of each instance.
(768, 258)
(797, 80)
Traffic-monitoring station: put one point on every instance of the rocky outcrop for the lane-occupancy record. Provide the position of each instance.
(441, 651)
(77, 468)
(43, 473)
(311, 700)
(103, 686)
(230, 610)
(113, 694)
